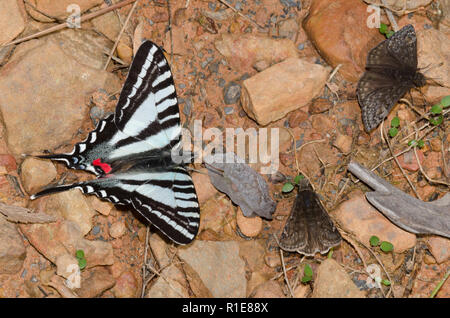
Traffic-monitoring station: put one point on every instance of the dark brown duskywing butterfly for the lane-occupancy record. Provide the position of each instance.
(309, 229)
(391, 71)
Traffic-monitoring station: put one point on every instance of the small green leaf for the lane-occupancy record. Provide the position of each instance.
(383, 28)
(445, 102)
(421, 144)
(308, 270)
(288, 187)
(386, 247)
(389, 34)
(437, 120)
(298, 178)
(330, 253)
(412, 143)
(79, 254)
(385, 282)
(82, 263)
(393, 132)
(306, 279)
(395, 122)
(374, 240)
(436, 109)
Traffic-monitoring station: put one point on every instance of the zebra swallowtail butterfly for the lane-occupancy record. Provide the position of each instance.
(131, 150)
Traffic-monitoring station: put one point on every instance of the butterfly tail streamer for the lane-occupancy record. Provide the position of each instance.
(57, 189)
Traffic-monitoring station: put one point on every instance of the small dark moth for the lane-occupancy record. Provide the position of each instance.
(391, 71)
(309, 229)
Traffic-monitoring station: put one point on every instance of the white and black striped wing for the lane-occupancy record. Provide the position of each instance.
(146, 120)
(166, 198)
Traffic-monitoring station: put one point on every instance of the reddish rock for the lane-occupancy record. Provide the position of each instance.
(298, 82)
(62, 237)
(100, 206)
(218, 265)
(244, 50)
(439, 248)
(359, 217)
(73, 206)
(320, 105)
(126, 286)
(33, 124)
(117, 229)
(36, 173)
(270, 289)
(250, 227)
(8, 162)
(214, 214)
(12, 21)
(332, 281)
(203, 186)
(94, 282)
(408, 160)
(297, 117)
(12, 249)
(343, 143)
(252, 252)
(339, 31)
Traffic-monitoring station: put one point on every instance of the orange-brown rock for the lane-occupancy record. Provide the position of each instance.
(358, 216)
(244, 50)
(282, 88)
(339, 31)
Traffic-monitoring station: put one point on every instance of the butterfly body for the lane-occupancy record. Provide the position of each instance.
(391, 71)
(131, 150)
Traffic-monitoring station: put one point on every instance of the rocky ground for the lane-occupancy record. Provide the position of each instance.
(236, 64)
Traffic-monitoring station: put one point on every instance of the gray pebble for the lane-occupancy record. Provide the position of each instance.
(301, 46)
(228, 110)
(182, 85)
(221, 82)
(187, 107)
(231, 93)
(34, 279)
(96, 230)
(212, 6)
(96, 113)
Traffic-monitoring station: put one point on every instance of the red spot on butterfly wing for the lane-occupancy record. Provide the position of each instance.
(104, 166)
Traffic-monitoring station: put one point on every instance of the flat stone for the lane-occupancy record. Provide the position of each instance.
(12, 21)
(332, 281)
(12, 249)
(36, 173)
(219, 266)
(282, 88)
(32, 120)
(358, 216)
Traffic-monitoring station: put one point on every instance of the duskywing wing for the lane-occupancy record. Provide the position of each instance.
(391, 71)
(309, 229)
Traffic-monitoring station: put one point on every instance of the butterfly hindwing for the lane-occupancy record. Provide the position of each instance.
(165, 197)
(168, 200)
